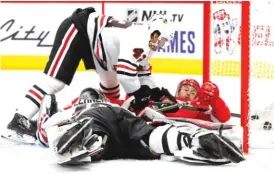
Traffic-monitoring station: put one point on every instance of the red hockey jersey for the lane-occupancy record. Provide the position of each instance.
(219, 112)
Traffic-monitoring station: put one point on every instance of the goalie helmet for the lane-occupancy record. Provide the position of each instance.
(159, 23)
(93, 95)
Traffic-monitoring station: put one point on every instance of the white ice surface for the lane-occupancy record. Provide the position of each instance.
(35, 159)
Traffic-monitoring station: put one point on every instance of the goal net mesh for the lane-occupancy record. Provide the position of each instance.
(226, 60)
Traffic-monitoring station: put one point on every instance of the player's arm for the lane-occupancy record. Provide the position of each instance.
(133, 73)
(209, 95)
(145, 78)
(220, 111)
(185, 113)
(128, 77)
(144, 75)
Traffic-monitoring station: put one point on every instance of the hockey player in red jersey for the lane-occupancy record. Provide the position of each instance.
(207, 96)
(118, 51)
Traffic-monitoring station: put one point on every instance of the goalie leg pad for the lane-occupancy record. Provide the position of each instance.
(73, 136)
(164, 140)
(192, 144)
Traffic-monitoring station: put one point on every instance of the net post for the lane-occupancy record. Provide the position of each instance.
(245, 73)
(206, 43)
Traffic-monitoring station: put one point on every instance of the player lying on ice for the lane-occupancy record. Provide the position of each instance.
(206, 98)
(202, 103)
(191, 101)
(95, 129)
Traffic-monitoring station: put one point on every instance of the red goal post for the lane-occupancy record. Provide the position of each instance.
(244, 61)
(250, 60)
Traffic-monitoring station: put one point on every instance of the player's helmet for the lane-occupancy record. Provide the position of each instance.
(92, 94)
(191, 82)
(159, 23)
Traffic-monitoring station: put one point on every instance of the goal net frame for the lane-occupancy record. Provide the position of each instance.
(245, 62)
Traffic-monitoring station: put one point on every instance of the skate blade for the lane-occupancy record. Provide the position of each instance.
(18, 139)
(7, 139)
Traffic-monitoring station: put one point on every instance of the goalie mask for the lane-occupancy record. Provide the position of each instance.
(93, 95)
(158, 23)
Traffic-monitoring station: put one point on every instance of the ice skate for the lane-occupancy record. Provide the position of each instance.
(21, 130)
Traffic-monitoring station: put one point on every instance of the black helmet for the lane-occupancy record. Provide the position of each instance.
(93, 95)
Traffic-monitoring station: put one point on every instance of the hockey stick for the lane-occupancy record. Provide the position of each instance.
(183, 105)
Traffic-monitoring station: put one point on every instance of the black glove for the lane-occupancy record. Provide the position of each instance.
(141, 96)
(158, 94)
(167, 94)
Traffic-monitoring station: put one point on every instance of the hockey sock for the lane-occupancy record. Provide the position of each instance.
(31, 103)
(113, 92)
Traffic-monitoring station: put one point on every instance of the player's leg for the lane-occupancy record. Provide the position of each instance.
(60, 69)
(191, 143)
(48, 108)
(109, 84)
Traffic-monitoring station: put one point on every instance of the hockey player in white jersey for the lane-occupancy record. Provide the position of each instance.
(99, 130)
(119, 52)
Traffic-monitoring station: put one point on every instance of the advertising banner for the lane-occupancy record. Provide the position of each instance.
(186, 19)
(29, 29)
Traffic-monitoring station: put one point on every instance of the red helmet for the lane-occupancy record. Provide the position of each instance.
(191, 82)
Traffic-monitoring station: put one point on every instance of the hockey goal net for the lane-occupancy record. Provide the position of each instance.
(242, 62)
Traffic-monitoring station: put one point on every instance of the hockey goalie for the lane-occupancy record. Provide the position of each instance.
(95, 129)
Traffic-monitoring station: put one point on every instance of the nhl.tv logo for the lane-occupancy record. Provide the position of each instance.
(136, 15)
(132, 15)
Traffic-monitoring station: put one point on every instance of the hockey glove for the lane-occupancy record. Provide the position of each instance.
(141, 98)
(208, 93)
(164, 96)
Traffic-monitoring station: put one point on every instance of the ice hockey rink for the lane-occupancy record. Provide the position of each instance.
(36, 159)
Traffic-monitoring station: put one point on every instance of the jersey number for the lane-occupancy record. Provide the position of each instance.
(138, 54)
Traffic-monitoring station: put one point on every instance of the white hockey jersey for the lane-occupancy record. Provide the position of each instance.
(122, 47)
